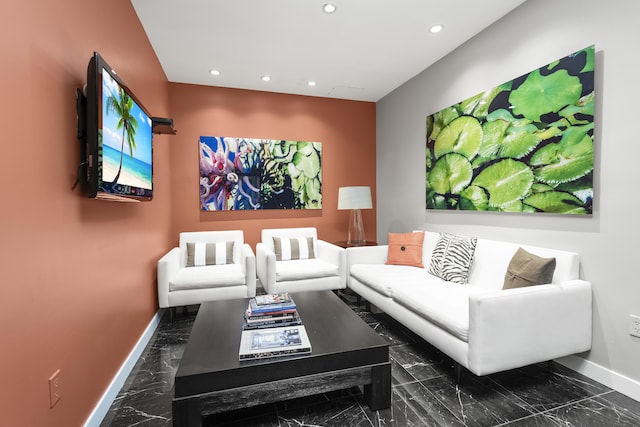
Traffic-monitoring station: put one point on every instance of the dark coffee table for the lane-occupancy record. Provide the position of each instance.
(345, 352)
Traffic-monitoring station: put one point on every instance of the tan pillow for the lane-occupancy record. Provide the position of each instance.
(405, 249)
(199, 254)
(526, 269)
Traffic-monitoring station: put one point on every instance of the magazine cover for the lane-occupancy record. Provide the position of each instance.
(264, 319)
(270, 314)
(262, 343)
(271, 323)
(264, 308)
(273, 298)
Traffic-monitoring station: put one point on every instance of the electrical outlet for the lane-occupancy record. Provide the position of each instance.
(634, 325)
(54, 388)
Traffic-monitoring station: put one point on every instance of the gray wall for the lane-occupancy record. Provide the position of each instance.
(534, 34)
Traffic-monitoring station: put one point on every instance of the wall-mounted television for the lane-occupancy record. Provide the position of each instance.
(115, 132)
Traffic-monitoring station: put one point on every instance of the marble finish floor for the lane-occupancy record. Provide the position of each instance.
(424, 391)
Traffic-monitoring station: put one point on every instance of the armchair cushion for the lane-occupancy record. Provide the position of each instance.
(200, 254)
(293, 248)
(305, 269)
(208, 276)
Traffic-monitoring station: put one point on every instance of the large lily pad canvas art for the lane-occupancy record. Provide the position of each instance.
(247, 173)
(524, 146)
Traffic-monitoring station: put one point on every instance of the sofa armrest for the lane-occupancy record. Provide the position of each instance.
(168, 266)
(518, 327)
(249, 269)
(266, 266)
(335, 255)
(329, 252)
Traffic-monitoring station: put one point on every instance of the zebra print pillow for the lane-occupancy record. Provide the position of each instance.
(452, 257)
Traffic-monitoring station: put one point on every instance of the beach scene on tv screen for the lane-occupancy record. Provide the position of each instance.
(126, 138)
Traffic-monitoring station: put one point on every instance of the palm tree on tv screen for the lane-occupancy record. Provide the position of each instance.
(126, 121)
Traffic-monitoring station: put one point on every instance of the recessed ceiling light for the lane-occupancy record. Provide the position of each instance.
(329, 8)
(265, 78)
(214, 72)
(436, 28)
(311, 83)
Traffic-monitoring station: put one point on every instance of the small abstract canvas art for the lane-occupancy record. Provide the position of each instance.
(254, 174)
(524, 146)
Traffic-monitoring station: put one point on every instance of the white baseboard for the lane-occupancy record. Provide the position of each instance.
(614, 380)
(101, 409)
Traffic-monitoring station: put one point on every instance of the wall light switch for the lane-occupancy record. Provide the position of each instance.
(54, 388)
(634, 325)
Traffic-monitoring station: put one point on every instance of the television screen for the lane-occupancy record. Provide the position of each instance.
(119, 150)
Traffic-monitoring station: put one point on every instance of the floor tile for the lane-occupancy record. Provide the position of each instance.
(547, 385)
(392, 331)
(593, 412)
(413, 405)
(421, 365)
(424, 391)
(477, 401)
(621, 403)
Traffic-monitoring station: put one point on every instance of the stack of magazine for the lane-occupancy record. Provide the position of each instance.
(272, 327)
(271, 310)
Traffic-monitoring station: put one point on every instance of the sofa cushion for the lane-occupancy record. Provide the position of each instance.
(201, 253)
(452, 257)
(405, 249)
(490, 261)
(304, 269)
(384, 278)
(292, 248)
(444, 304)
(208, 276)
(527, 269)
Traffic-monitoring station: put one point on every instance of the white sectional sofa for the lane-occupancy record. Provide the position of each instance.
(479, 325)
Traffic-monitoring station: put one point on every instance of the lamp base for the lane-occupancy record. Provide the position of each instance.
(355, 236)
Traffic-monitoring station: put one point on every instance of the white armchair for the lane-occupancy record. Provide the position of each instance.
(294, 260)
(207, 266)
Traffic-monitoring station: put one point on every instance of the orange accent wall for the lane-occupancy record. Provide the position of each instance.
(77, 276)
(346, 130)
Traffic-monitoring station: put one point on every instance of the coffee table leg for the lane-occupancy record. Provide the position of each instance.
(378, 393)
(186, 413)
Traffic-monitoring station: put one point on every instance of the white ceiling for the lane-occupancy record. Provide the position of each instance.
(363, 51)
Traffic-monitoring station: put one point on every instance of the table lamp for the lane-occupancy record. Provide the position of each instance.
(355, 199)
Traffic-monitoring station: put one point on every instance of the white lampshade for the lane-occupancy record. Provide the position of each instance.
(354, 198)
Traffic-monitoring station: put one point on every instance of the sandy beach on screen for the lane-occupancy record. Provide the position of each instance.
(109, 172)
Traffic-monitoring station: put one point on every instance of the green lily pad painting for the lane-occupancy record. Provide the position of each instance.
(524, 146)
(255, 174)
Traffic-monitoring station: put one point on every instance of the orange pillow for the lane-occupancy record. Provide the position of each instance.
(405, 249)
